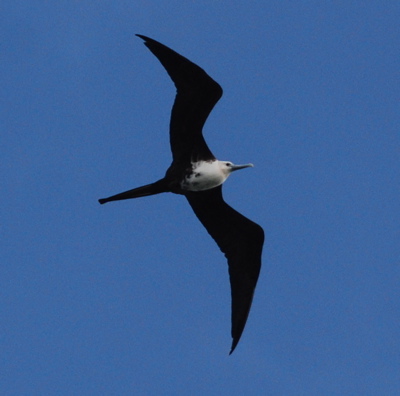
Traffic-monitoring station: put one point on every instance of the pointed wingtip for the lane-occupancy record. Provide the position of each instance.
(102, 201)
(145, 38)
(234, 344)
(148, 42)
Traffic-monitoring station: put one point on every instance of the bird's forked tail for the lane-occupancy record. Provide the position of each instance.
(158, 187)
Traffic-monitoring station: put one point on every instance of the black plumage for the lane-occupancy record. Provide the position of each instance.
(240, 239)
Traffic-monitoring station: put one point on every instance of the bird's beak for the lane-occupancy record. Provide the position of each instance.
(237, 167)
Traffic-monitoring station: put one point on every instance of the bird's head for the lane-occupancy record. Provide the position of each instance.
(228, 167)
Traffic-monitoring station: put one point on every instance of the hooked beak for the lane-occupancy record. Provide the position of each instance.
(237, 167)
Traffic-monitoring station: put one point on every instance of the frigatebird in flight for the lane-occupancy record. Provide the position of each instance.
(198, 175)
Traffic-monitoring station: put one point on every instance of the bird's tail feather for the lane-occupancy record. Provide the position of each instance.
(149, 189)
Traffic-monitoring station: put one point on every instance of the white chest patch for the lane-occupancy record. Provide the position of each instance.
(204, 176)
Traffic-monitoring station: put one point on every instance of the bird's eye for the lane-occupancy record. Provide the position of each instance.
(228, 164)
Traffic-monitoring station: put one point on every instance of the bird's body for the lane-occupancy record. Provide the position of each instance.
(208, 174)
(205, 175)
(198, 175)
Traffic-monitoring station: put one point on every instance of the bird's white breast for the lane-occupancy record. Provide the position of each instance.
(204, 176)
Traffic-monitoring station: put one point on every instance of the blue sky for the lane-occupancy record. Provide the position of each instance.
(133, 297)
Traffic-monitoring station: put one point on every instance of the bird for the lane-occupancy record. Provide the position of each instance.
(198, 175)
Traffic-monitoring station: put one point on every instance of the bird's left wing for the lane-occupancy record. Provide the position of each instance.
(241, 240)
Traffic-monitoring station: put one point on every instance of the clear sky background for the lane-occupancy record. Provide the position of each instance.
(133, 298)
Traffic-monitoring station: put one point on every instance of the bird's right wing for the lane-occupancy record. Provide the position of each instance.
(241, 240)
(197, 94)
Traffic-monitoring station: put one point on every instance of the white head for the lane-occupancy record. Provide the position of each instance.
(228, 167)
